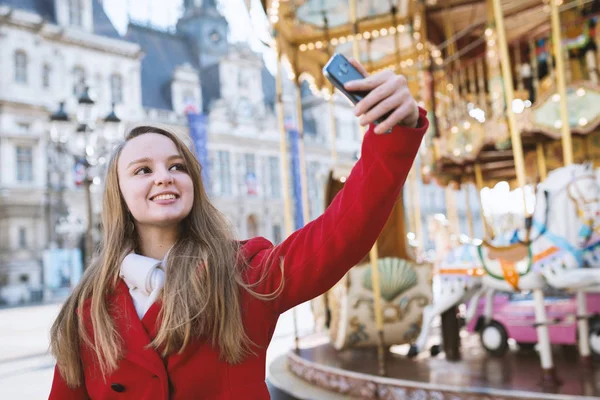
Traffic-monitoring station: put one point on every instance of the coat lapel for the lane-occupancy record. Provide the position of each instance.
(135, 337)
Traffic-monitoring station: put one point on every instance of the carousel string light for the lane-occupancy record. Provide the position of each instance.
(375, 33)
(273, 12)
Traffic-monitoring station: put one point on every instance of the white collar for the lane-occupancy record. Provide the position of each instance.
(144, 277)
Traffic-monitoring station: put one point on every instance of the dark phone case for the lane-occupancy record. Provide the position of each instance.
(339, 71)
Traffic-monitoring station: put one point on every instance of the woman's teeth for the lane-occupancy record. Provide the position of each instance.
(165, 197)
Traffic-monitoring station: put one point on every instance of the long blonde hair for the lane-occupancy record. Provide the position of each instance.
(201, 295)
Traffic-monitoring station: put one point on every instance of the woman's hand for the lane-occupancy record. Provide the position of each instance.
(387, 92)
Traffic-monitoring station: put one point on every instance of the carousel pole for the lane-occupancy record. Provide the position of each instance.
(482, 97)
(284, 161)
(449, 319)
(333, 124)
(301, 153)
(515, 135)
(541, 161)
(466, 188)
(331, 101)
(535, 83)
(420, 37)
(520, 84)
(303, 184)
(373, 254)
(541, 321)
(567, 143)
(488, 234)
(413, 204)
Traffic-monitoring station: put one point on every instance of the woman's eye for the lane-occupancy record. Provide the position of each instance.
(178, 167)
(143, 171)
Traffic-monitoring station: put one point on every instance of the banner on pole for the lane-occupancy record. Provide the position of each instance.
(198, 132)
(296, 179)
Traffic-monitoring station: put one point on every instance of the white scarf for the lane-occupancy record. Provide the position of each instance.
(144, 277)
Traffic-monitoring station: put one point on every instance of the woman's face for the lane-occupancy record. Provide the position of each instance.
(154, 181)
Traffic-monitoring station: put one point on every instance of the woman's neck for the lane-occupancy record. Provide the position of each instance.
(154, 242)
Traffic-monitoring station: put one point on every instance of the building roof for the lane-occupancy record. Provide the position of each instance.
(164, 52)
(45, 9)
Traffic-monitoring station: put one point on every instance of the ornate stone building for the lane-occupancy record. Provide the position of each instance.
(48, 46)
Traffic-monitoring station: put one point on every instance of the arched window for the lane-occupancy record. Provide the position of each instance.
(78, 80)
(46, 71)
(116, 88)
(75, 13)
(252, 226)
(20, 66)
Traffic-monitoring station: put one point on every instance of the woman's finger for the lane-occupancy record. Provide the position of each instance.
(397, 117)
(375, 96)
(370, 82)
(359, 67)
(390, 103)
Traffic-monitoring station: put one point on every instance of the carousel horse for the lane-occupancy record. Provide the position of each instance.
(554, 254)
(457, 277)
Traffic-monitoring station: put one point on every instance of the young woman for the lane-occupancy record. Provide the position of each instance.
(173, 307)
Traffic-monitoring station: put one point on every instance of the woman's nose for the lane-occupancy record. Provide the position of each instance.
(163, 177)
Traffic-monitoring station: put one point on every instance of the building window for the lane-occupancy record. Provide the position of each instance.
(78, 80)
(188, 98)
(116, 88)
(46, 71)
(22, 238)
(250, 177)
(23, 127)
(24, 164)
(20, 67)
(75, 13)
(274, 179)
(277, 234)
(223, 172)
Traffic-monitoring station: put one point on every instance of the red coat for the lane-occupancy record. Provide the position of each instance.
(316, 257)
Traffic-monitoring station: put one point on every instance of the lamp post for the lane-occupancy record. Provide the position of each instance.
(89, 142)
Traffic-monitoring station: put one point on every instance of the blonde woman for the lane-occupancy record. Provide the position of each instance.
(173, 307)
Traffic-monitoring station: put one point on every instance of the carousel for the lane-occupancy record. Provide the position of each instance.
(511, 89)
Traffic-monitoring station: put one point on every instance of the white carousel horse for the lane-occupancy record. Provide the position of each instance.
(561, 239)
(557, 254)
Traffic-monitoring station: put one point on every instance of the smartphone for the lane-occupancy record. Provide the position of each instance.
(339, 71)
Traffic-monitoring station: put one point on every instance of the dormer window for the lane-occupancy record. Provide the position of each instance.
(75, 13)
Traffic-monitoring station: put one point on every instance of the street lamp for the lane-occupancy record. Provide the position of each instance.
(87, 144)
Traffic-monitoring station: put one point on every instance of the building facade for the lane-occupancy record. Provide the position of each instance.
(48, 46)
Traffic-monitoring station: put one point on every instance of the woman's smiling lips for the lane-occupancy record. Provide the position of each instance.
(164, 198)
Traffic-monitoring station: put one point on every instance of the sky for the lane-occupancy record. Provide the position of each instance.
(243, 26)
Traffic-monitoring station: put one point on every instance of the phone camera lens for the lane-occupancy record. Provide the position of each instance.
(344, 68)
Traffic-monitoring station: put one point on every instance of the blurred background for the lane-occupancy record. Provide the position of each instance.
(76, 74)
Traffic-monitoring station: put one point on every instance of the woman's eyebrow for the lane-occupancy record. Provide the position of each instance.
(147, 159)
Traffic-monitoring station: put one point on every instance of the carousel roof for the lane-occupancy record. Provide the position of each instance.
(443, 37)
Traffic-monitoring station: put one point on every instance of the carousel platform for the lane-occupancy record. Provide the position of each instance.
(318, 371)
